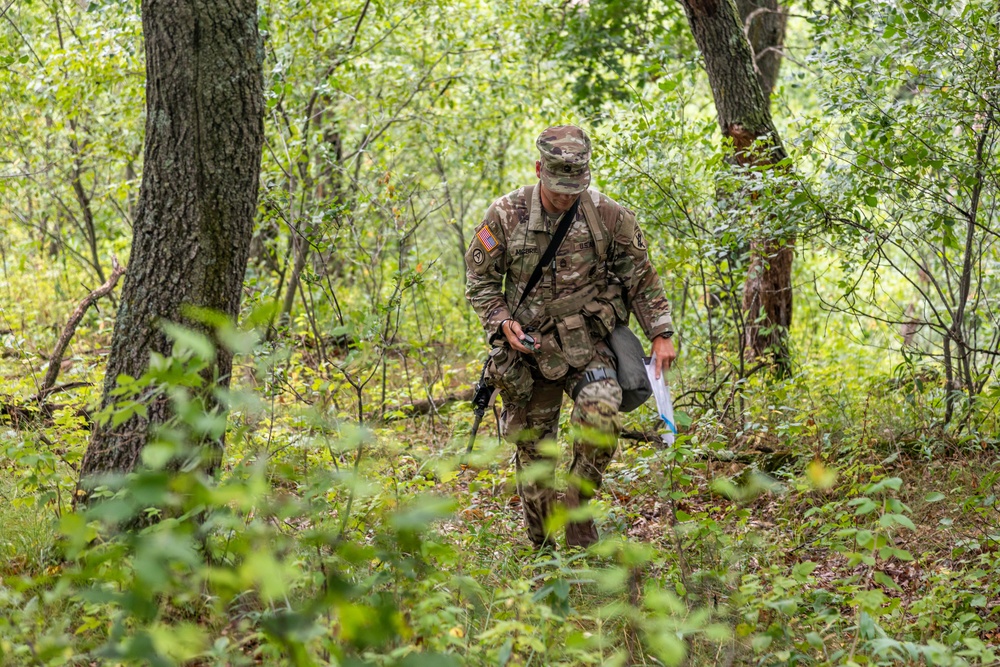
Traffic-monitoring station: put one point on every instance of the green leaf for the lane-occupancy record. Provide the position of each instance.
(505, 652)
(865, 506)
(236, 341)
(866, 624)
(561, 589)
(668, 647)
(889, 519)
(718, 632)
(666, 85)
(158, 454)
(804, 569)
(934, 497)
(886, 580)
(899, 554)
(188, 342)
(122, 415)
(893, 483)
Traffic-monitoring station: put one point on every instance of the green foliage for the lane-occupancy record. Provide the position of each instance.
(846, 514)
(614, 48)
(71, 139)
(910, 184)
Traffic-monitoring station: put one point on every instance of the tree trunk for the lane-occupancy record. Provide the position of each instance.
(197, 201)
(745, 118)
(764, 24)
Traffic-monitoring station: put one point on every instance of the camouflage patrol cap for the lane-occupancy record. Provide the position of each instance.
(565, 157)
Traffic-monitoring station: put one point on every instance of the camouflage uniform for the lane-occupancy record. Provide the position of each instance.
(601, 266)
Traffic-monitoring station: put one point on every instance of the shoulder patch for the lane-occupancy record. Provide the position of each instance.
(486, 238)
(484, 250)
(638, 240)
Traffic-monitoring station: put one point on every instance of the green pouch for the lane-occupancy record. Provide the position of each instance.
(613, 296)
(551, 362)
(507, 372)
(577, 345)
(602, 318)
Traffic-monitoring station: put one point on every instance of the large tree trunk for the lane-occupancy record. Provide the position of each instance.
(745, 118)
(204, 135)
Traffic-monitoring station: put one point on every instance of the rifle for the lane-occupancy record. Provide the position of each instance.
(480, 401)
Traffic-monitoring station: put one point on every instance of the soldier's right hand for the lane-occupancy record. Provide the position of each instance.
(515, 337)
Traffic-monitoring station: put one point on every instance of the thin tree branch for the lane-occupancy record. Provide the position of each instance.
(74, 320)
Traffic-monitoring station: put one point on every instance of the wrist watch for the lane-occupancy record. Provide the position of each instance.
(665, 335)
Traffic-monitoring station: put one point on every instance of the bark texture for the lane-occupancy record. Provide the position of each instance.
(745, 117)
(194, 219)
(764, 24)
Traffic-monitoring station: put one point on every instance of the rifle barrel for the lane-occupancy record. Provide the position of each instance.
(475, 429)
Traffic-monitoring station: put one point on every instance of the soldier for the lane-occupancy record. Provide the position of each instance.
(600, 272)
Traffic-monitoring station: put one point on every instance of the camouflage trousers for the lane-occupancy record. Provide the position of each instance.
(596, 424)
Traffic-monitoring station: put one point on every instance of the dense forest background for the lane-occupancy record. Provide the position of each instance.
(832, 497)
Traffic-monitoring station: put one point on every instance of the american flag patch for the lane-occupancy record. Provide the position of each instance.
(487, 238)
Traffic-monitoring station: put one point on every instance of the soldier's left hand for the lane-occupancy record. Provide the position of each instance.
(664, 354)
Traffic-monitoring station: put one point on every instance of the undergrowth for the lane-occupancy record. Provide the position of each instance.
(319, 541)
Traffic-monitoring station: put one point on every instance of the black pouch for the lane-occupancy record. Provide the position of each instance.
(631, 369)
(507, 372)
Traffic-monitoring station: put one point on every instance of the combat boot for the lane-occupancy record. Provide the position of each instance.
(579, 533)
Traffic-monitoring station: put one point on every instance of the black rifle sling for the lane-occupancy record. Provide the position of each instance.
(550, 251)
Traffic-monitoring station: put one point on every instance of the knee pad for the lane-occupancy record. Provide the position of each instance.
(597, 406)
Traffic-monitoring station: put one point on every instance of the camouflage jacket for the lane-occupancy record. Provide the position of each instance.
(601, 266)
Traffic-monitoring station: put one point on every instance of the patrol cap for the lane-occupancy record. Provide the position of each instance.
(565, 158)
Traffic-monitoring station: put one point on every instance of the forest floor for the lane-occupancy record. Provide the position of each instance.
(632, 506)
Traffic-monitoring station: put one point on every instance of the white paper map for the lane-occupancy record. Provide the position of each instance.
(661, 392)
